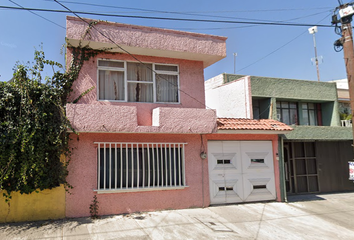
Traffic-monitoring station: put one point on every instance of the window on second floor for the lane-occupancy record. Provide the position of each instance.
(302, 113)
(287, 112)
(137, 82)
(309, 114)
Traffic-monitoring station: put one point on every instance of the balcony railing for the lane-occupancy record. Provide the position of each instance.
(346, 123)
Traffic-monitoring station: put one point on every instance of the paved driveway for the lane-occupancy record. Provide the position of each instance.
(303, 217)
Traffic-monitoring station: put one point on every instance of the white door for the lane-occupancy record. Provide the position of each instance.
(240, 171)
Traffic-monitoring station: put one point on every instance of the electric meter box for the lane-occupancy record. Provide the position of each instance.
(345, 12)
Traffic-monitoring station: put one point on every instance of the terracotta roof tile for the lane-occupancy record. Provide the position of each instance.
(251, 124)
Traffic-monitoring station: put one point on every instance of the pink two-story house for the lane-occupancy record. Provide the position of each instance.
(144, 131)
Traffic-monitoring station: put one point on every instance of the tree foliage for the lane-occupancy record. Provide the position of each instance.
(33, 127)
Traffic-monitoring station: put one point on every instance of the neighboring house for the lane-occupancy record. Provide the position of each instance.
(314, 156)
(146, 140)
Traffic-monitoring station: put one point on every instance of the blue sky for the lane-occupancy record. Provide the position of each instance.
(262, 50)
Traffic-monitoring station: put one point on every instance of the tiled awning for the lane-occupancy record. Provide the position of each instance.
(251, 124)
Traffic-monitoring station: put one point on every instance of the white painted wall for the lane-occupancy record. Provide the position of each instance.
(231, 100)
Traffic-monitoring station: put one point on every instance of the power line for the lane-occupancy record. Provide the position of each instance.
(229, 11)
(112, 41)
(170, 19)
(280, 47)
(166, 12)
(37, 14)
(219, 28)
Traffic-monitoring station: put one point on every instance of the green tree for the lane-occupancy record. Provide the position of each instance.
(33, 126)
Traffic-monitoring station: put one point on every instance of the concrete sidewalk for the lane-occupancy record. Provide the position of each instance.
(303, 217)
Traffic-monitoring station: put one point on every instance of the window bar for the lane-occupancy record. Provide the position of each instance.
(157, 166)
(183, 166)
(169, 146)
(126, 166)
(174, 162)
(137, 166)
(162, 172)
(99, 166)
(115, 164)
(110, 167)
(179, 164)
(166, 175)
(121, 167)
(149, 173)
(143, 155)
(132, 159)
(104, 166)
(153, 165)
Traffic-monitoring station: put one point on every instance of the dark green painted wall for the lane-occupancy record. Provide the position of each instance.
(319, 133)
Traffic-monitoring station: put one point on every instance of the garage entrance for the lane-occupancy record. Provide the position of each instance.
(240, 171)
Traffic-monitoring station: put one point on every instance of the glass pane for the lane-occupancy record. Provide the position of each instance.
(111, 85)
(313, 118)
(103, 63)
(293, 116)
(304, 105)
(258, 160)
(292, 105)
(278, 104)
(284, 105)
(139, 72)
(140, 92)
(305, 118)
(166, 68)
(285, 116)
(166, 88)
(311, 105)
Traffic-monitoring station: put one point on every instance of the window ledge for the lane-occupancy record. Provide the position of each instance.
(103, 191)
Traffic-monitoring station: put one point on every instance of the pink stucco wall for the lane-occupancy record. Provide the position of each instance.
(83, 177)
(147, 37)
(123, 119)
(191, 80)
(83, 174)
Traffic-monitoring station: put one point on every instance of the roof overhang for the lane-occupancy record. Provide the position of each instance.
(148, 41)
(251, 132)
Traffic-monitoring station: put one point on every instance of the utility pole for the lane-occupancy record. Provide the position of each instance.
(346, 12)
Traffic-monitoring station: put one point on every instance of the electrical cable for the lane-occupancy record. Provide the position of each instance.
(37, 14)
(280, 47)
(124, 50)
(158, 11)
(170, 19)
(163, 12)
(218, 28)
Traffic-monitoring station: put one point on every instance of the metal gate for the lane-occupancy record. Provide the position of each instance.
(240, 171)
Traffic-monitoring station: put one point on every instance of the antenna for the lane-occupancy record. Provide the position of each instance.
(235, 55)
(313, 31)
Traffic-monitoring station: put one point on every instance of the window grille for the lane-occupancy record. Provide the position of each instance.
(140, 166)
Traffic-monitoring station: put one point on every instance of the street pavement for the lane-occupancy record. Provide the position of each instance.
(325, 216)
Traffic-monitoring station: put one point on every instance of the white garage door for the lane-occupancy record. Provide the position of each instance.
(240, 171)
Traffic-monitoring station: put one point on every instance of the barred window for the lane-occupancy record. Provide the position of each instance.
(140, 166)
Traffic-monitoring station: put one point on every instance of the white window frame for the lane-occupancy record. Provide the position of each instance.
(126, 81)
(163, 155)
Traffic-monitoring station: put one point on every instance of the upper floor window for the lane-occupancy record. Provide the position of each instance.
(309, 114)
(293, 113)
(287, 112)
(137, 82)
